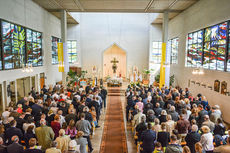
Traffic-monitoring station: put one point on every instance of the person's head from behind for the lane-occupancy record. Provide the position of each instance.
(169, 117)
(206, 117)
(30, 129)
(60, 112)
(156, 121)
(173, 138)
(157, 105)
(163, 126)
(194, 128)
(219, 121)
(80, 134)
(198, 147)
(86, 109)
(143, 118)
(186, 149)
(72, 145)
(61, 132)
(72, 123)
(13, 123)
(43, 122)
(57, 118)
(205, 129)
(193, 122)
(32, 142)
(30, 119)
(158, 145)
(82, 116)
(53, 144)
(1, 141)
(149, 126)
(15, 139)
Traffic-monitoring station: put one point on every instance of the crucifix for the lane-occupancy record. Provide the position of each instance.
(114, 67)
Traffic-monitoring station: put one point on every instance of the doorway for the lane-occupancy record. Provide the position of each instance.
(119, 54)
(42, 80)
(23, 87)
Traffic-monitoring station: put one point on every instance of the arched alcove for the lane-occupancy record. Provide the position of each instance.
(114, 51)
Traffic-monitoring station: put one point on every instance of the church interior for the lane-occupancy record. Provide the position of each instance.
(114, 76)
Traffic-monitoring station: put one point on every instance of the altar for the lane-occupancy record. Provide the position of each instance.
(114, 82)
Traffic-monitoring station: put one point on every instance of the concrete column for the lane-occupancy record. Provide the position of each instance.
(165, 40)
(63, 38)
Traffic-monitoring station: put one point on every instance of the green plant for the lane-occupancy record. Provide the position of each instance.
(171, 80)
(72, 78)
(146, 72)
(157, 78)
(83, 73)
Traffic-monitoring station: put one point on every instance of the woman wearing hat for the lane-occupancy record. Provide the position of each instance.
(72, 147)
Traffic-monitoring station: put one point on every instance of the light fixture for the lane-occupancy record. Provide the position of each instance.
(198, 71)
(27, 68)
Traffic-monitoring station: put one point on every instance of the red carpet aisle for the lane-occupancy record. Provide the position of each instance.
(114, 139)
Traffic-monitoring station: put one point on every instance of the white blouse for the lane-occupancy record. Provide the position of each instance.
(207, 141)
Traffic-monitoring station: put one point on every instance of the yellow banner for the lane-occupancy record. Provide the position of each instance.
(60, 57)
(162, 69)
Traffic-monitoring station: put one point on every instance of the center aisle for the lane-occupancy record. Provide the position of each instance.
(114, 138)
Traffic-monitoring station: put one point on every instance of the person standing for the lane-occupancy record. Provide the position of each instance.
(148, 138)
(15, 147)
(85, 126)
(104, 95)
(173, 147)
(192, 138)
(44, 134)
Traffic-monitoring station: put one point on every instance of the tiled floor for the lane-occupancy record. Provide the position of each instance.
(96, 139)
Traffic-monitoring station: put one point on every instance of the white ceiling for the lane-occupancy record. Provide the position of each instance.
(131, 6)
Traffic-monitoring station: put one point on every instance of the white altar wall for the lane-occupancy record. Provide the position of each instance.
(109, 54)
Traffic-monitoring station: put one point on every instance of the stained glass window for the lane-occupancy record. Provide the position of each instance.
(72, 51)
(55, 42)
(34, 47)
(13, 45)
(155, 56)
(228, 60)
(194, 49)
(215, 47)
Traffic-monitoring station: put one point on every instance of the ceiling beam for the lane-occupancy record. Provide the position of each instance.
(172, 4)
(79, 5)
(149, 5)
(120, 10)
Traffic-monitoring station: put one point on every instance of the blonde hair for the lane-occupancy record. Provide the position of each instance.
(205, 129)
(186, 100)
(186, 149)
(198, 147)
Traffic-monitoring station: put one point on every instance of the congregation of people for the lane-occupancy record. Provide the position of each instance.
(172, 120)
(56, 120)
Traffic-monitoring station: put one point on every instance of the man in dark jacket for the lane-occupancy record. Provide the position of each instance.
(148, 137)
(157, 110)
(2, 147)
(104, 95)
(201, 115)
(15, 147)
(192, 138)
(12, 131)
(173, 147)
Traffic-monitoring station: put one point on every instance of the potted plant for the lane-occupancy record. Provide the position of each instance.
(72, 79)
(146, 73)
